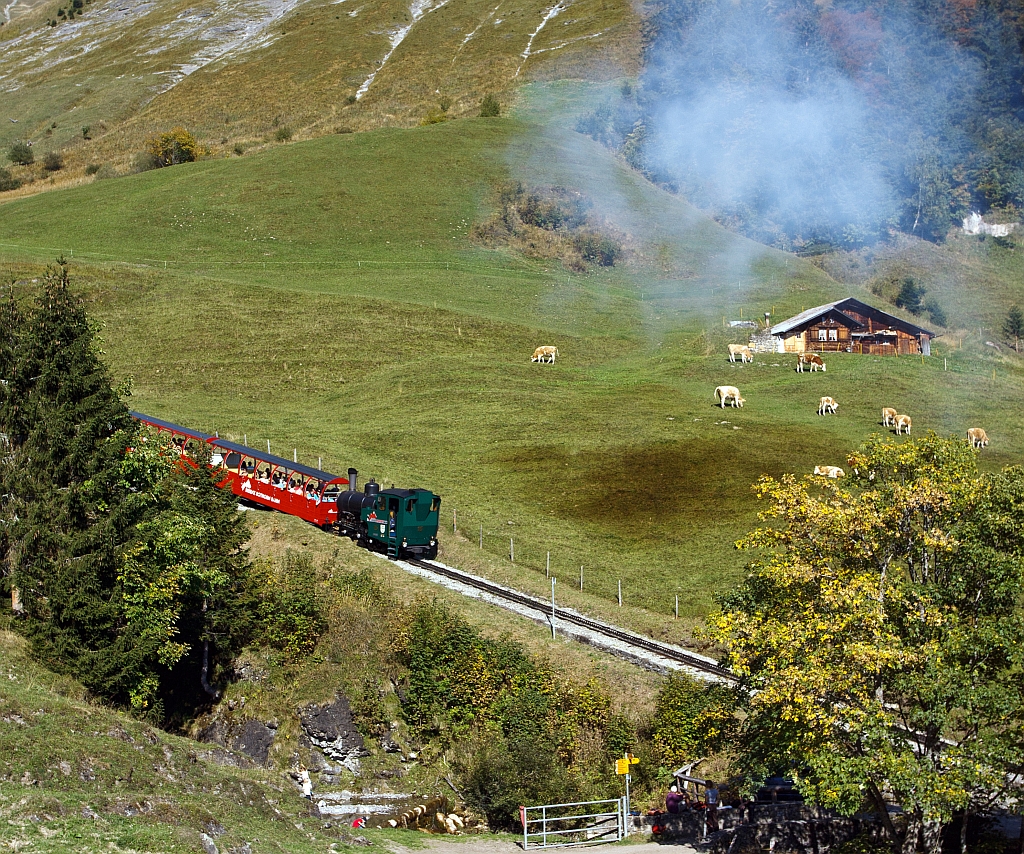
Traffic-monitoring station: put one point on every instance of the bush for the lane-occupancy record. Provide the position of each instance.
(21, 153)
(434, 117)
(53, 162)
(292, 612)
(92, 168)
(596, 247)
(489, 107)
(692, 719)
(936, 313)
(239, 149)
(351, 99)
(283, 134)
(173, 147)
(144, 161)
(7, 181)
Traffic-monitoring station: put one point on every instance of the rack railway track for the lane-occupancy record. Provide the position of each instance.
(639, 649)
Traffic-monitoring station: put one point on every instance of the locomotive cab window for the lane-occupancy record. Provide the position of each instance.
(435, 504)
(410, 505)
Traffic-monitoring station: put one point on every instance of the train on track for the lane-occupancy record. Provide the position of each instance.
(401, 523)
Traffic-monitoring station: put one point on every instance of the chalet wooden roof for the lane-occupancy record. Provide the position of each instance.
(838, 311)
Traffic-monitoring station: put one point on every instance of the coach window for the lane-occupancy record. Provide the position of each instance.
(232, 460)
(248, 467)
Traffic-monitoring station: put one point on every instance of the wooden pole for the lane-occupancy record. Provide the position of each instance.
(481, 536)
(547, 568)
(553, 607)
(581, 579)
(620, 592)
(512, 549)
(455, 522)
(268, 444)
(677, 606)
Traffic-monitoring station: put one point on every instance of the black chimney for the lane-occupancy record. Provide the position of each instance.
(352, 473)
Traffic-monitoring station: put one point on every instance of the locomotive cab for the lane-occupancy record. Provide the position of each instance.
(399, 522)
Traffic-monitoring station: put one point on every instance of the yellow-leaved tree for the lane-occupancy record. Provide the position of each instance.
(877, 634)
(174, 146)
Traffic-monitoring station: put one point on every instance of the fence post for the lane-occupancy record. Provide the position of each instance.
(677, 606)
(268, 445)
(512, 549)
(547, 568)
(481, 536)
(455, 525)
(581, 579)
(295, 455)
(245, 439)
(553, 580)
(620, 592)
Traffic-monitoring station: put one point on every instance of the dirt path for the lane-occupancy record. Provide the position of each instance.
(492, 845)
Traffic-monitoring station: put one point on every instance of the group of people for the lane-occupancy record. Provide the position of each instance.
(676, 802)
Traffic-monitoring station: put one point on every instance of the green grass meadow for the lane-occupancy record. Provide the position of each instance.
(328, 296)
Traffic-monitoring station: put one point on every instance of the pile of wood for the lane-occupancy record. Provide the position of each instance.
(431, 818)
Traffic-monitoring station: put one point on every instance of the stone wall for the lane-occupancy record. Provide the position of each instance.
(785, 828)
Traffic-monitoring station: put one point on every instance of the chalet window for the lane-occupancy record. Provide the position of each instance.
(833, 335)
(822, 334)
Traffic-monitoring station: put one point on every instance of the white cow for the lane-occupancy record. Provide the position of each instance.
(729, 392)
(888, 416)
(741, 350)
(829, 471)
(902, 423)
(827, 404)
(977, 437)
(544, 354)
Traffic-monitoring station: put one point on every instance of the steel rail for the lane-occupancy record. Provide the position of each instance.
(544, 607)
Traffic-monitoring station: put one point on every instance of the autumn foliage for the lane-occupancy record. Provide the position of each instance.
(172, 147)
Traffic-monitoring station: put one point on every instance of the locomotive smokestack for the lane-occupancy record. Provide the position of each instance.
(352, 474)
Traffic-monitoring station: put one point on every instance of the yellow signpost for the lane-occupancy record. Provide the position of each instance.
(622, 767)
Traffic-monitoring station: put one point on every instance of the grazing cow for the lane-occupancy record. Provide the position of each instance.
(888, 416)
(828, 404)
(729, 392)
(829, 471)
(544, 354)
(741, 350)
(902, 423)
(977, 437)
(812, 359)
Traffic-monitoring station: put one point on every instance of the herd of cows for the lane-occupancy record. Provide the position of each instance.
(812, 362)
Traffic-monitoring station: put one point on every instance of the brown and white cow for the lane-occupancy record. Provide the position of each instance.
(544, 354)
(977, 437)
(903, 424)
(827, 404)
(729, 392)
(829, 471)
(888, 416)
(741, 350)
(811, 359)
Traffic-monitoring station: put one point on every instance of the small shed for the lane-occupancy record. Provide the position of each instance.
(850, 326)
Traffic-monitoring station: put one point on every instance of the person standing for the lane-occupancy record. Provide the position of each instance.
(711, 802)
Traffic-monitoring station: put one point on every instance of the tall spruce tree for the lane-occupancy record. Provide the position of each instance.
(129, 566)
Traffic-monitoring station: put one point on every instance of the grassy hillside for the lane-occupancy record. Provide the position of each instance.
(75, 775)
(239, 74)
(379, 335)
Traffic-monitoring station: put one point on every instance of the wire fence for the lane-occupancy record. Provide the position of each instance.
(520, 550)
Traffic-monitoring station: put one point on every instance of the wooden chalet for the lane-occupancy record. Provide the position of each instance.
(850, 326)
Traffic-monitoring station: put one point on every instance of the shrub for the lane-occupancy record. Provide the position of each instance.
(106, 171)
(85, 132)
(21, 153)
(7, 181)
(172, 147)
(434, 117)
(283, 134)
(239, 149)
(53, 162)
(445, 103)
(351, 99)
(92, 168)
(936, 313)
(144, 161)
(489, 107)
(292, 611)
(692, 719)
(596, 247)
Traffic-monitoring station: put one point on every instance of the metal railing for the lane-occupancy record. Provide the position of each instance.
(580, 823)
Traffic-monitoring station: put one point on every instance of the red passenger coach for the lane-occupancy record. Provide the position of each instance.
(263, 479)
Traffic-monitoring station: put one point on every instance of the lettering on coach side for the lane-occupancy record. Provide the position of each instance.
(247, 487)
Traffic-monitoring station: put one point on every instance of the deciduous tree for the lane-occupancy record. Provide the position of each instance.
(878, 634)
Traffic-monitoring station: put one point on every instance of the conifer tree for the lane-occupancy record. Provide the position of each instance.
(68, 432)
